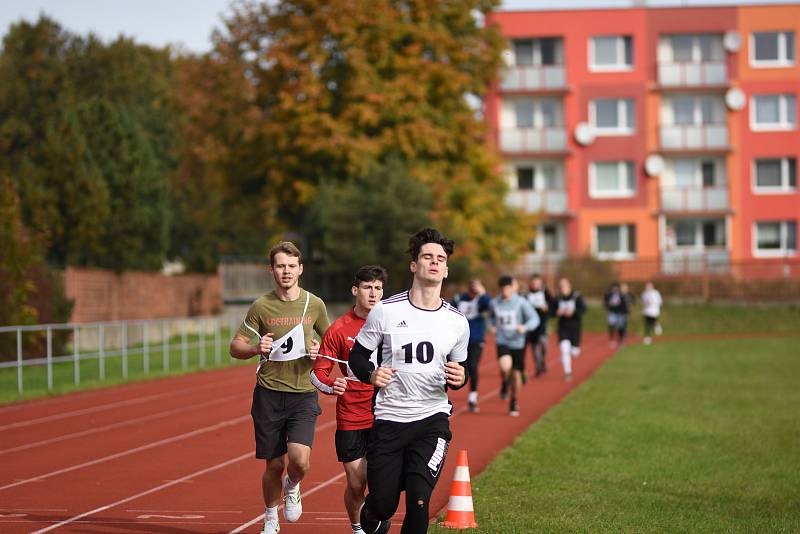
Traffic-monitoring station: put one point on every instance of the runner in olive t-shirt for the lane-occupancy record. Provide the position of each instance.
(285, 406)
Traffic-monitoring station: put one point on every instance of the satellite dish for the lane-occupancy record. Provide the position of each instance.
(732, 41)
(654, 165)
(508, 57)
(584, 133)
(735, 99)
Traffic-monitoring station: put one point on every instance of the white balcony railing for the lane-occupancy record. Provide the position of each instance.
(692, 74)
(694, 136)
(531, 77)
(695, 261)
(533, 140)
(700, 199)
(551, 201)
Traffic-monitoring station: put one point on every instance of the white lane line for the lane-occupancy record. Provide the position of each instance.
(113, 405)
(135, 511)
(146, 492)
(127, 452)
(129, 422)
(180, 480)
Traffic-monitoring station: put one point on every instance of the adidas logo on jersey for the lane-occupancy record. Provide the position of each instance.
(402, 324)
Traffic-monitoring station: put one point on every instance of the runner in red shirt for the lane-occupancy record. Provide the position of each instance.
(354, 404)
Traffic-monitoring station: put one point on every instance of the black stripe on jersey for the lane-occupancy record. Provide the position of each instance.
(400, 297)
(453, 309)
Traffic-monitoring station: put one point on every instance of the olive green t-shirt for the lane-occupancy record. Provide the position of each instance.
(271, 314)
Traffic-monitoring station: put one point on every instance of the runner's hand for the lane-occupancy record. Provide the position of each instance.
(381, 376)
(314, 351)
(265, 345)
(520, 329)
(454, 374)
(339, 386)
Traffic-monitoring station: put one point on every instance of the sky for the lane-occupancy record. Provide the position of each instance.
(187, 24)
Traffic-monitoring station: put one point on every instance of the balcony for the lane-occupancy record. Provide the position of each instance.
(694, 199)
(533, 78)
(695, 261)
(692, 74)
(551, 201)
(515, 140)
(694, 136)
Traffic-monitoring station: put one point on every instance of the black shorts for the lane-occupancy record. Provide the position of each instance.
(538, 334)
(517, 356)
(396, 450)
(280, 417)
(352, 444)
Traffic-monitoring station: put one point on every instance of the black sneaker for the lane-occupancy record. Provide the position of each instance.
(382, 528)
(504, 390)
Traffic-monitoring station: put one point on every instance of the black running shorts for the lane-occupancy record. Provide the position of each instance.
(280, 417)
(517, 356)
(351, 444)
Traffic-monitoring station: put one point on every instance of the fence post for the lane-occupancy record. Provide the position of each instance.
(201, 339)
(184, 347)
(76, 374)
(102, 354)
(706, 280)
(217, 345)
(164, 346)
(125, 350)
(49, 358)
(19, 361)
(145, 349)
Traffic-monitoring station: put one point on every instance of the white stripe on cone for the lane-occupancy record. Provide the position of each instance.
(462, 474)
(458, 503)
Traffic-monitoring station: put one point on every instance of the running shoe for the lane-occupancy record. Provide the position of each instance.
(382, 527)
(473, 407)
(513, 410)
(271, 526)
(568, 377)
(292, 506)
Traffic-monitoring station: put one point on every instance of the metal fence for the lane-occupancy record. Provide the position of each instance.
(51, 355)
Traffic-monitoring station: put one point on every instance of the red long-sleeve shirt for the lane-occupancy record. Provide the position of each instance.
(354, 407)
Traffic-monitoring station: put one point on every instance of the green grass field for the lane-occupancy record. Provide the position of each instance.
(684, 436)
(197, 356)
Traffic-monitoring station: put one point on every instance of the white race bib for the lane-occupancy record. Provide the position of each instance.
(290, 347)
(469, 308)
(411, 353)
(506, 319)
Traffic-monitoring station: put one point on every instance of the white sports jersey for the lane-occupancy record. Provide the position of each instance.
(417, 343)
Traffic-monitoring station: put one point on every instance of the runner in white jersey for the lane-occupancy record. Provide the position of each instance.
(422, 350)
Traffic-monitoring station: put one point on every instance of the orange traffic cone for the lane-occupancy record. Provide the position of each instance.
(459, 508)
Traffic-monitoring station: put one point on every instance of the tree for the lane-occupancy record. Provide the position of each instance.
(340, 85)
(367, 220)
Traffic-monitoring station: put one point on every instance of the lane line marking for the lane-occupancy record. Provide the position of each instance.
(118, 425)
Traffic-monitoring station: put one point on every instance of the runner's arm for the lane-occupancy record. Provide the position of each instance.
(359, 362)
(321, 373)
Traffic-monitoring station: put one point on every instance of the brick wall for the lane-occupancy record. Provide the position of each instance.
(102, 295)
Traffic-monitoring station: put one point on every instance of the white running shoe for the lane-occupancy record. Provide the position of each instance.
(271, 526)
(292, 507)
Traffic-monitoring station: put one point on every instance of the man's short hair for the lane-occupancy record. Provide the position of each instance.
(534, 276)
(425, 236)
(370, 273)
(288, 248)
(505, 280)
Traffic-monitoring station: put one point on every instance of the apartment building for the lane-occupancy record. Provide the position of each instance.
(664, 138)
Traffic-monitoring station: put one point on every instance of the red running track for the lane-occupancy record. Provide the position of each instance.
(176, 455)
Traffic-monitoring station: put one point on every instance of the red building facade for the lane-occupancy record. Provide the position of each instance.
(664, 137)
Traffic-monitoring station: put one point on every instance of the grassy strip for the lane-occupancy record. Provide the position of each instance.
(196, 357)
(673, 437)
(701, 319)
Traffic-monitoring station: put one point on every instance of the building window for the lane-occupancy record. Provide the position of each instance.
(773, 112)
(548, 239)
(611, 53)
(614, 116)
(615, 241)
(775, 175)
(776, 238)
(698, 234)
(612, 179)
(698, 172)
(539, 176)
(772, 49)
(536, 114)
(688, 48)
(546, 51)
(691, 110)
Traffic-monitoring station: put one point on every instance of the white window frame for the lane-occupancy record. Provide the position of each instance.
(538, 116)
(783, 107)
(784, 237)
(622, 116)
(536, 51)
(784, 188)
(623, 167)
(782, 61)
(539, 184)
(668, 110)
(720, 172)
(697, 58)
(539, 240)
(617, 67)
(698, 243)
(624, 239)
